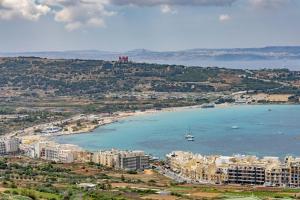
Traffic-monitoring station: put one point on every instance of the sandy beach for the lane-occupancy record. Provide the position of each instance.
(89, 123)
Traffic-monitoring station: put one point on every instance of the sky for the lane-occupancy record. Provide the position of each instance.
(160, 25)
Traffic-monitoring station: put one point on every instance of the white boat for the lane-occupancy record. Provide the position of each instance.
(189, 136)
(235, 127)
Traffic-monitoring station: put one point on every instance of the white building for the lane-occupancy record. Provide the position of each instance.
(55, 152)
(126, 160)
(52, 130)
(106, 158)
(66, 156)
(133, 160)
(9, 145)
(2, 147)
(12, 145)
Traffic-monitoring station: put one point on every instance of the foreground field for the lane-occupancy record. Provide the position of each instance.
(22, 178)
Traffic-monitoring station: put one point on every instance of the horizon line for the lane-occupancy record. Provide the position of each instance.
(145, 49)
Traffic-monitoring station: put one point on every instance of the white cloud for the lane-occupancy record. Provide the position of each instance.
(82, 13)
(174, 2)
(224, 18)
(92, 13)
(26, 9)
(166, 9)
(97, 22)
(73, 26)
(79, 13)
(268, 3)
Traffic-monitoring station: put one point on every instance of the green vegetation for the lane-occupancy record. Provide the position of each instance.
(33, 194)
(18, 120)
(253, 84)
(36, 90)
(26, 179)
(38, 78)
(259, 194)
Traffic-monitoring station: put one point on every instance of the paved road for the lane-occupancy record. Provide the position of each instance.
(172, 175)
(177, 177)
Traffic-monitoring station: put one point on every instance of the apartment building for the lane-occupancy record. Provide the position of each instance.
(83, 156)
(12, 145)
(202, 169)
(246, 174)
(238, 169)
(294, 167)
(277, 175)
(2, 147)
(66, 156)
(51, 151)
(9, 145)
(106, 158)
(133, 160)
(125, 160)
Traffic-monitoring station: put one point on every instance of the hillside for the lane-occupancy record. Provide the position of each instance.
(93, 78)
(36, 90)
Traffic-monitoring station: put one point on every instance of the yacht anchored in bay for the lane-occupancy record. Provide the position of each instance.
(189, 136)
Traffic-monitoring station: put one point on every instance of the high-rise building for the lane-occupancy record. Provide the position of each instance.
(9, 145)
(55, 152)
(252, 174)
(106, 158)
(126, 160)
(2, 147)
(12, 145)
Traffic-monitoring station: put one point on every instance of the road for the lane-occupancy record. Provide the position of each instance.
(175, 176)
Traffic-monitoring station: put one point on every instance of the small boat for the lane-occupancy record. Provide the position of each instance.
(189, 136)
(235, 127)
(209, 105)
(270, 110)
(280, 133)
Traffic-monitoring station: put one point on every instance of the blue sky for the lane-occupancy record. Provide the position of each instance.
(119, 25)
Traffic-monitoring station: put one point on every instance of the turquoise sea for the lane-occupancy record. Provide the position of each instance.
(263, 130)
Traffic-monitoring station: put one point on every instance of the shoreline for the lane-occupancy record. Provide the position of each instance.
(29, 136)
(104, 119)
(123, 115)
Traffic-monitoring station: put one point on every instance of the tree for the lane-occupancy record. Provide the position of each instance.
(122, 178)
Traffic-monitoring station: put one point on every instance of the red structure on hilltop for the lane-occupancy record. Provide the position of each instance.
(123, 59)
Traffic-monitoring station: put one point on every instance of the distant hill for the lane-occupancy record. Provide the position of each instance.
(252, 58)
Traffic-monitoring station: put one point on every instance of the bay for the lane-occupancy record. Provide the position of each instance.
(262, 130)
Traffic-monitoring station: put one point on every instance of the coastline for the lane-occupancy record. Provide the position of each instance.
(118, 116)
(210, 138)
(104, 119)
(124, 115)
(29, 136)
